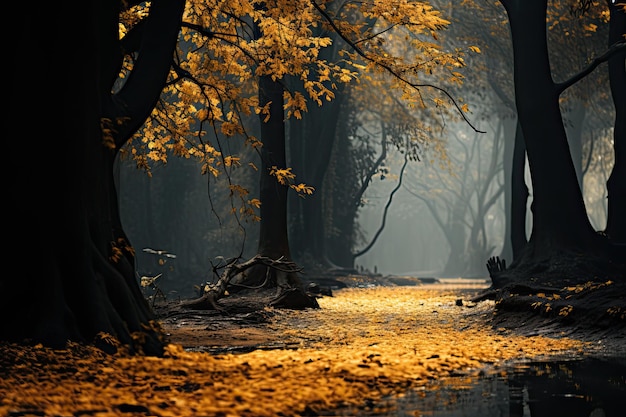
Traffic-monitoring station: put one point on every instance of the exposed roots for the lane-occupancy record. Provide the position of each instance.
(289, 296)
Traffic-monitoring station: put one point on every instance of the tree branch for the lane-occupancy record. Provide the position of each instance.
(616, 48)
(362, 53)
(382, 225)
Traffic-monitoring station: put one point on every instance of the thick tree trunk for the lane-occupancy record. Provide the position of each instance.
(563, 248)
(81, 283)
(273, 238)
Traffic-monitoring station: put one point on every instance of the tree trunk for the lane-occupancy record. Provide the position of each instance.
(559, 215)
(81, 283)
(319, 126)
(273, 236)
(507, 167)
(519, 195)
(273, 239)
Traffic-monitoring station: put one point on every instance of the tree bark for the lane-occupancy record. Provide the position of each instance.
(81, 283)
(273, 235)
(310, 159)
(519, 195)
(273, 238)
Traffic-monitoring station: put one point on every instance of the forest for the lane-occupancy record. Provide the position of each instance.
(201, 154)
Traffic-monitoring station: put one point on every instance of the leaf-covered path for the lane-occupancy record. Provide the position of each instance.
(362, 344)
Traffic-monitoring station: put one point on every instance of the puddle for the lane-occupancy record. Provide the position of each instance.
(592, 387)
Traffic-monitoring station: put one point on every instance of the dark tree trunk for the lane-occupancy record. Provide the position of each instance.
(81, 284)
(273, 236)
(561, 231)
(310, 160)
(272, 267)
(273, 239)
(559, 216)
(519, 195)
(342, 212)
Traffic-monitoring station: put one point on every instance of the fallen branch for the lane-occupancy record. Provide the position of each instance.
(212, 292)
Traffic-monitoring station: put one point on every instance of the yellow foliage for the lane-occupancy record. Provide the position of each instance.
(387, 47)
(232, 160)
(564, 311)
(284, 175)
(303, 189)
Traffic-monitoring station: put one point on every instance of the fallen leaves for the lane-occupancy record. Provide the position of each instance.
(362, 345)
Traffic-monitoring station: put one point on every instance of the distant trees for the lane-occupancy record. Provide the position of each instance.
(463, 197)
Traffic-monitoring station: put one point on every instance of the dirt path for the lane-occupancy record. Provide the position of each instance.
(246, 324)
(361, 346)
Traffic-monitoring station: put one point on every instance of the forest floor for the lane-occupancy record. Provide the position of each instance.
(372, 339)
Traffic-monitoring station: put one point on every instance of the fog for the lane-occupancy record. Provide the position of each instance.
(411, 242)
(409, 245)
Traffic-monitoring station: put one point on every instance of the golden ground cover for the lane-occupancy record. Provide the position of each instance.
(362, 344)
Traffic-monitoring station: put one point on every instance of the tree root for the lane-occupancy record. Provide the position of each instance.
(206, 302)
(295, 299)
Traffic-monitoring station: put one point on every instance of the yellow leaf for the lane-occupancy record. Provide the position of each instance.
(590, 27)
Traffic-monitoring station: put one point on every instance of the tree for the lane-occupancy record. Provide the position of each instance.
(573, 39)
(272, 266)
(223, 43)
(81, 285)
(383, 83)
(561, 228)
(85, 289)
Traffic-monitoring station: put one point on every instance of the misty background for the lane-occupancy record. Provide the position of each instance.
(446, 218)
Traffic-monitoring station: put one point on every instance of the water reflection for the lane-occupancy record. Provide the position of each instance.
(568, 388)
(590, 387)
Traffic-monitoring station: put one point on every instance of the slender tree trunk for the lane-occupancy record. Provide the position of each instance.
(519, 195)
(273, 238)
